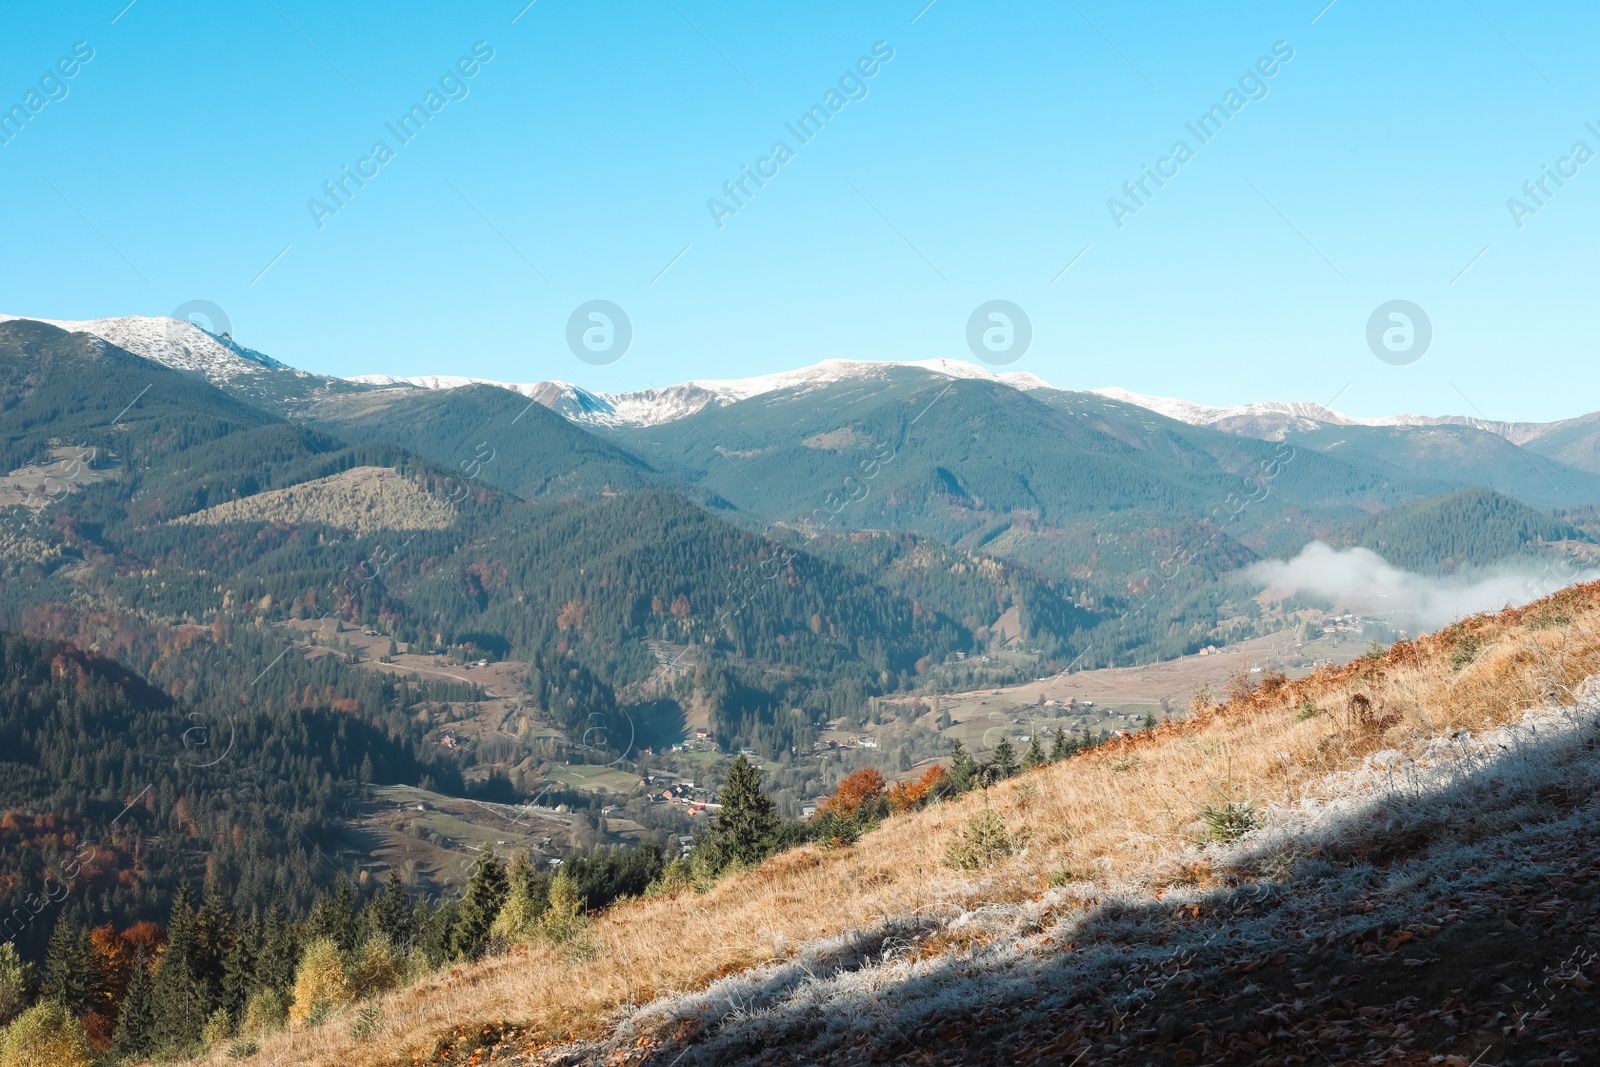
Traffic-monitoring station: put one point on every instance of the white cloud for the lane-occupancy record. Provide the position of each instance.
(1364, 581)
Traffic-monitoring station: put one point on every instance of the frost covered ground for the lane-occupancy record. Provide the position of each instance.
(1431, 906)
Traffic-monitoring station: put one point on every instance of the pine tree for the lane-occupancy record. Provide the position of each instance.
(390, 913)
(1035, 756)
(334, 917)
(239, 969)
(178, 1000)
(136, 1021)
(1061, 747)
(486, 893)
(1003, 763)
(67, 965)
(963, 768)
(213, 943)
(275, 965)
(746, 829)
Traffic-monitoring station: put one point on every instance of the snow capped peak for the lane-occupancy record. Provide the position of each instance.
(651, 407)
(176, 343)
(1274, 418)
(1203, 415)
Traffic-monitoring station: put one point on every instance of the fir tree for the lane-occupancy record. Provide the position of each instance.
(136, 1020)
(1003, 762)
(486, 893)
(390, 913)
(434, 928)
(1062, 746)
(239, 969)
(275, 964)
(178, 1003)
(746, 829)
(66, 965)
(963, 768)
(334, 917)
(1035, 756)
(213, 943)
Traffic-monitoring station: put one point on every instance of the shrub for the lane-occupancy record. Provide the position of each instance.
(981, 843)
(1231, 819)
(267, 1010)
(45, 1035)
(218, 1028)
(242, 1049)
(1465, 651)
(366, 1022)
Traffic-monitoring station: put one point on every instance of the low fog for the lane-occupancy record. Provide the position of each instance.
(1360, 580)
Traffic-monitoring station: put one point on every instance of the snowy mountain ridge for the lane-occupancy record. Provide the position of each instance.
(182, 345)
(175, 343)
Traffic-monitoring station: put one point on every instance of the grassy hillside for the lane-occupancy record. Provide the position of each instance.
(1308, 868)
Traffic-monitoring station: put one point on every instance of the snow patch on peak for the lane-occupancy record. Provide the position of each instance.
(175, 343)
(651, 407)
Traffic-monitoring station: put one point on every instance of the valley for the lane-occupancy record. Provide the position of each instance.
(356, 648)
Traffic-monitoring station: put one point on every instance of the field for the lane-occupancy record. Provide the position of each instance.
(435, 839)
(36, 485)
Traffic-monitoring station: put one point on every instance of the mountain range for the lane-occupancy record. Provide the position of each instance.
(1091, 494)
(183, 345)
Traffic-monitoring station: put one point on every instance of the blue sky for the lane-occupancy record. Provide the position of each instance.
(180, 160)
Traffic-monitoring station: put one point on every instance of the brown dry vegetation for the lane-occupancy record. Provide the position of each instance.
(1124, 814)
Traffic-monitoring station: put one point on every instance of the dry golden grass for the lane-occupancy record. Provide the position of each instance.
(1121, 815)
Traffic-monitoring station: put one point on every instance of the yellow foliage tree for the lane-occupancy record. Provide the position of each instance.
(379, 967)
(564, 916)
(45, 1035)
(320, 984)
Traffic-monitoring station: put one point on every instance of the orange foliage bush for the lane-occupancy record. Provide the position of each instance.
(857, 789)
(904, 796)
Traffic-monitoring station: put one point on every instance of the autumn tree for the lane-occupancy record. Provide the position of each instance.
(861, 789)
(46, 1035)
(906, 796)
(16, 975)
(320, 984)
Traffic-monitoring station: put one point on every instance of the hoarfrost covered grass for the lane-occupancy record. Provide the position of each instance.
(1470, 808)
(883, 939)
